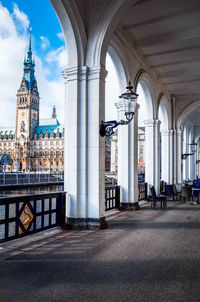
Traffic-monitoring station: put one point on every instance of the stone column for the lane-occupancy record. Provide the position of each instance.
(171, 156)
(187, 160)
(75, 145)
(152, 153)
(178, 172)
(166, 155)
(84, 149)
(128, 159)
(96, 146)
(193, 166)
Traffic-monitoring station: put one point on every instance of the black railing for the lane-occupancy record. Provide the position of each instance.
(112, 197)
(25, 215)
(15, 179)
(142, 191)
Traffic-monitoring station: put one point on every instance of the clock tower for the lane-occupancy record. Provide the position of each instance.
(27, 115)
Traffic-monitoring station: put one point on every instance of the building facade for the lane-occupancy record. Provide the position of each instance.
(34, 144)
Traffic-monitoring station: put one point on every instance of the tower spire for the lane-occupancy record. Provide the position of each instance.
(29, 79)
(54, 115)
(29, 54)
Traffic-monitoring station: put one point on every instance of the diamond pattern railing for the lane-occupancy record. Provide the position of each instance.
(24, 215)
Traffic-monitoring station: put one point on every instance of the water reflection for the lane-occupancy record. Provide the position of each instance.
(31, 190)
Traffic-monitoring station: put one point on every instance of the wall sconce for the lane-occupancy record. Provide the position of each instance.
(193, 150)
(129, 99)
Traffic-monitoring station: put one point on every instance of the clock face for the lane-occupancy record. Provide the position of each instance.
(22, 114)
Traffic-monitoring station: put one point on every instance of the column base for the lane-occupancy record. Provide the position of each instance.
(134, 206)
(85, 223)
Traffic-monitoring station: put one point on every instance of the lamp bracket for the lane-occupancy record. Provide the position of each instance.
(185, 155)
(107, 128)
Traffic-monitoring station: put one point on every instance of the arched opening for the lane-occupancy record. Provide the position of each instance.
(188, 162)
(165, 141)
(112, 92)
(188, 122)
(145, 116)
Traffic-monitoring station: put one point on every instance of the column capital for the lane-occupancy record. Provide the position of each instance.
(97, 72)
(75, 73)
(151, 123)
(178, 131)
(167, 132)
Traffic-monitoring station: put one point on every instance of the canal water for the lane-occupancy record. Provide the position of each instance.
(31, 190)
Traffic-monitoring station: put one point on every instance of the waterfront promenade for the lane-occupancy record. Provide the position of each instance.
(145, 255)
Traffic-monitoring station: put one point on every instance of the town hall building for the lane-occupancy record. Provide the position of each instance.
(34, 144)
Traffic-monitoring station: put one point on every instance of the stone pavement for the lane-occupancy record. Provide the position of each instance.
(146, 255)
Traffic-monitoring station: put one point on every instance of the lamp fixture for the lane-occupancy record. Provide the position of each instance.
(193, 150)
(193, 147)
(129, 101)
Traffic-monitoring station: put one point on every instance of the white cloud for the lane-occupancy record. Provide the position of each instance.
(11, 59)
(59, 56)
(51, 92)
(60, 36)
(21, 17)
(7, 26)
(45, 42)
(11, 69)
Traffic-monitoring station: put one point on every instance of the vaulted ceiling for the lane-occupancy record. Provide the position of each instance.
(167, 33)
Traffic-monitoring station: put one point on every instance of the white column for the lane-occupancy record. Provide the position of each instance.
(198, 158)
(84, 149)
(96, 145)
(75, 144)
(152, 153)
(166, 155)
(187, 150)
(128, 159)
(171, 156)
(193, 166)
(178, 156)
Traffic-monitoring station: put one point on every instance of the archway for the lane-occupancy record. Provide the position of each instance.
(165, 142)
(146, 128)
(189, 126)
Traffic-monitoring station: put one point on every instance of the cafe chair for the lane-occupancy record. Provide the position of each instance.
(157, 198)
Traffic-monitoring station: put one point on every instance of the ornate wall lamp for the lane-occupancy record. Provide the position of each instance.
(129, 100)
(193, 150)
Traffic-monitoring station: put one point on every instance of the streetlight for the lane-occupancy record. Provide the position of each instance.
(129, 101)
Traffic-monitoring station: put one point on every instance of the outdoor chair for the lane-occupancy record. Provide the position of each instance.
(176, 193)
(169, 191)
(186, 192)
(196, 191)
(196, 194)
(158, 198)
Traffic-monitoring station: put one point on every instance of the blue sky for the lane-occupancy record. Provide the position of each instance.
(46, 30)
(50, 52)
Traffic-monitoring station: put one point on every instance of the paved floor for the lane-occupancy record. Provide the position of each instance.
(148, 255)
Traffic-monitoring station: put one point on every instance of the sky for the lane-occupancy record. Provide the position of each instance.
(50, 52)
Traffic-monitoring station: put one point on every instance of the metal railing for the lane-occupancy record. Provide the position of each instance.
(25, 215)
(30, 178)
(112, 197)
